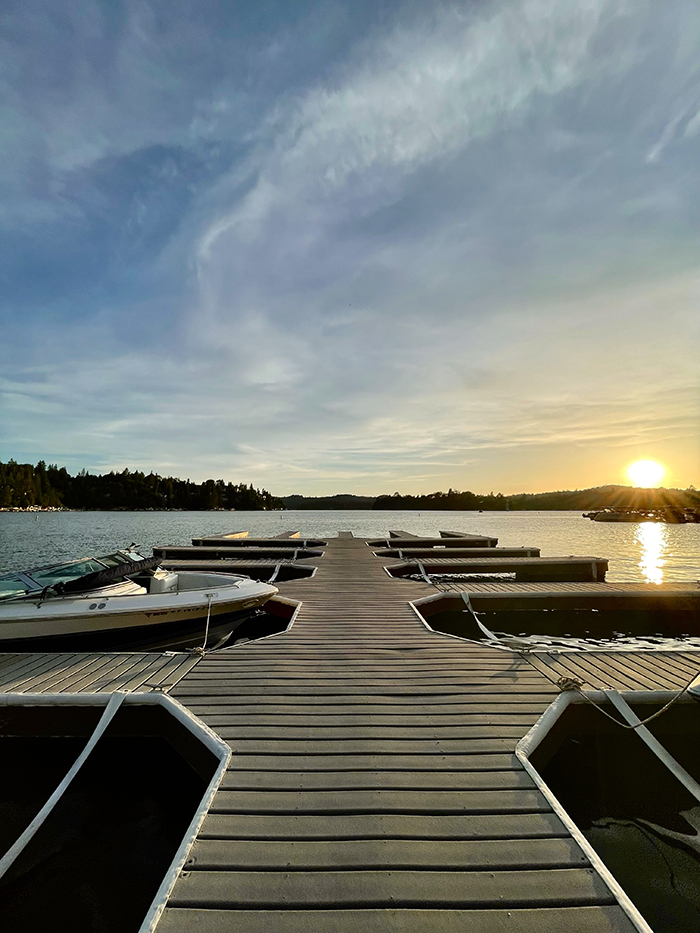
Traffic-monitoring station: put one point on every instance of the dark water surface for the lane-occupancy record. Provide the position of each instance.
(646, 831)
(646, 552)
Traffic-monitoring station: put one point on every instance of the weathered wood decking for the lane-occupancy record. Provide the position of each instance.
(621, 670)
(373, 781)
(548, 569)
(470, 552)
(92, 673)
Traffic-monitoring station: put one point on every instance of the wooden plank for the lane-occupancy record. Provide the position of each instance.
(567, 919)
(617, 664)
(666, 680)
(62, 666)
(230, 665)
(82, 681)
(598, 675)
(661, 674)
(130, 678)
(379, 761)
(691, 660)
(122, 671)
(185, 689)
(348, 721)
(172, 673)
(540, 663)
(670, 660)
(8, 660)
(155, 672)
(375, 780)
(484, 854)
(460, 668)
(241, 889)
(420, 713)
(448, 803)
(380, 826)
(334, 734)
(28, 670)
(381, 745)
(481, 701)
(358, 680)
(19, 662)
(461, 663)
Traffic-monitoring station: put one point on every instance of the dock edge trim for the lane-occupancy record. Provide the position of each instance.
(415, 603)
(206, 736)
(523, 749)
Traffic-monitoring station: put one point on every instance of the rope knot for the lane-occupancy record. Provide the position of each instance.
(569, 683)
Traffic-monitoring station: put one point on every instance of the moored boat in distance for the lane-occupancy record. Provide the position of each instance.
(121, 601)
(669, 515)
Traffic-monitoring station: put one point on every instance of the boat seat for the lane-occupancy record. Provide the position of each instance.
(163, 581)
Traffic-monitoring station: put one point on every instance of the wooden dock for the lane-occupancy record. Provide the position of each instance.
(546, 569)
(92, 673)
(471, 553)
(373, 783)
(373, 780)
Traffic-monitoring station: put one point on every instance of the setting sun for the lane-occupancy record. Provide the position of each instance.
(645, 473)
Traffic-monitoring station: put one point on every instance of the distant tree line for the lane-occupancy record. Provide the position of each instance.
(452, 500)
(599, 497)
(23, 485)
(341, 501)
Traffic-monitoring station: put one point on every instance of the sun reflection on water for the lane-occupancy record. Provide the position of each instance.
(653, 539)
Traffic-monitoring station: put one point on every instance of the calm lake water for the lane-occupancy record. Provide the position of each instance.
(644, 552)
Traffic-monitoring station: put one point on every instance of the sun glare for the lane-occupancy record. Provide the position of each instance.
(645, 473)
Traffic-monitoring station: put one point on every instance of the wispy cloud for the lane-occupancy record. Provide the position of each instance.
(441, 246)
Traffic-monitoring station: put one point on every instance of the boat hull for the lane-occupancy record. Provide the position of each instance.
(170, 635)
(100, 623)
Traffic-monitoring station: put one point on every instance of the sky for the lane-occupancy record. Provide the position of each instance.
(352, 247)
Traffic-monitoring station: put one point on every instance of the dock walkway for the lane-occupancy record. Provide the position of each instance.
(373, 783)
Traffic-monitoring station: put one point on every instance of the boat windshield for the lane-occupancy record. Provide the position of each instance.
(61, 573)
(13, 585)
(17, 584)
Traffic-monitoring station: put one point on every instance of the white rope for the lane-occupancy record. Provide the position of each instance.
(210, 596)
(489, 634)
(423, 572)
(653, 743)
(276, 571)
(572, 683)
(16, 849)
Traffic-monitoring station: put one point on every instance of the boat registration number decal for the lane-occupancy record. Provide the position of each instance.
(170, 612)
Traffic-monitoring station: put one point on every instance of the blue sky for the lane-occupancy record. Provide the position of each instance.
(345, 247)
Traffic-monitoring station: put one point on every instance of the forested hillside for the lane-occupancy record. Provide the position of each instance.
(342, 501)
(599, 497)
(23, 485)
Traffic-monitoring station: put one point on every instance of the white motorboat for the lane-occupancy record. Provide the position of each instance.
(121, 601)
